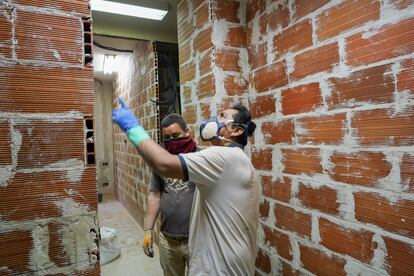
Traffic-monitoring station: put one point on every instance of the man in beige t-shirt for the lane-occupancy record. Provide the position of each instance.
(225, 215)
(225, 212)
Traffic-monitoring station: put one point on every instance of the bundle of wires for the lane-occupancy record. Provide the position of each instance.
(171, 100)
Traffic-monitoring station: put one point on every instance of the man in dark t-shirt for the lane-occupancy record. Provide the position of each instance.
(173, 198)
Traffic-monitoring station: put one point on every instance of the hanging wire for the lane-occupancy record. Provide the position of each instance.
(170, 102)
(111, 48)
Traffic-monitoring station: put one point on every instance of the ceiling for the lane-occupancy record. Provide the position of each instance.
(139, 28)
(122, 32)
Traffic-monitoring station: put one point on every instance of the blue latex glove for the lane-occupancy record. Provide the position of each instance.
(124, 117)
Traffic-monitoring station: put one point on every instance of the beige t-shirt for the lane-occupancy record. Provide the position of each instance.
(225, 212)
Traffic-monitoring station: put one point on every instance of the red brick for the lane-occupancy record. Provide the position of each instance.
(319, 263)
(291, 220)
(270, 77)
(298, 161)
(263, 261)
(317, 60)
(257, 56)
(279, 190)
(384, 127)
(227, 10)
(187, 72)
(202, 41)
(185, 26)
(328, 130)
(34, 195)
(71, 6)
(254, 7)
(184, 53)
(5, 33)
(196, 3)
(388, 42)
(185, 95)
(57, 253)
(374, 85)
(288, 270)
(205, 63)
(56, 89)
(400, 257)
(301, 99)
(183, 10)
(355, 243)
(264, 209)
(304, 7)
(405, 78)
(205, 110)
(16, 249)
(401, 4)
(322, 198)
(294, 38)
(206, 87)
(278, 18)
(57, 38)
(201, 15)
(5, 144)
(262, 159)
(278, 241)
(236, 37)
(392, 216)
(42, 142)
(190, 113)
(347, 15)
(407, 171)
(262, 106)
(235, 85)
(228, 59)
(227, 102)
(278, 132)
(361, 168)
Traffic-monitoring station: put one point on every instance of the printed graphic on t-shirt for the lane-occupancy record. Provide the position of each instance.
(176, 185)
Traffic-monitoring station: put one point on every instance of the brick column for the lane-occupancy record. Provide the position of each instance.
(48, 203)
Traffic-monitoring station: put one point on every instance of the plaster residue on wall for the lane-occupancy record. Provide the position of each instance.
(78, 239)
(6, 174)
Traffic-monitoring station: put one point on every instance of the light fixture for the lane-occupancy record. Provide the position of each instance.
(108, 64)
(130, 10)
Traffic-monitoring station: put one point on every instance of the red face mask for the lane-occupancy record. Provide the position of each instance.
(180, 145)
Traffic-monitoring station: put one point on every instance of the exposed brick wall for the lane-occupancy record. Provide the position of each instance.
(337, 133)
(48, 203)
(330, 85)
(213, 57)
(136, 84)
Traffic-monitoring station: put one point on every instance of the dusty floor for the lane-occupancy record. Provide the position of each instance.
(132, 261)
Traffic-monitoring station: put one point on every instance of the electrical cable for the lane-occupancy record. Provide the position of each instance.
(170, 102)
(112, 48)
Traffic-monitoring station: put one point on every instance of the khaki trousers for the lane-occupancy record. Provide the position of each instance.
(173, 256)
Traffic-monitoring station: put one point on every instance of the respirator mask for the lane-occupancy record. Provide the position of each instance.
(210, 128)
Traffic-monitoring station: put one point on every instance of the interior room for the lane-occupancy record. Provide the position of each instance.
(329, 85)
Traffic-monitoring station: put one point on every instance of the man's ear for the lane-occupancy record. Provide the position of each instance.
(187, 132)
(237, 131)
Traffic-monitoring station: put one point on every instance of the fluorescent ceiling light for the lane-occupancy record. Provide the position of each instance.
(109, 64)
(130, 10)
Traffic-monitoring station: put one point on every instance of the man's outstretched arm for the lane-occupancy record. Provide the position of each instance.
(159, 159)
(163, 162)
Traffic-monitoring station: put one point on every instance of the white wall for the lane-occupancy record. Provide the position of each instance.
(103, 137)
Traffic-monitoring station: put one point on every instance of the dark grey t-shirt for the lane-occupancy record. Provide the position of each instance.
(175, 205)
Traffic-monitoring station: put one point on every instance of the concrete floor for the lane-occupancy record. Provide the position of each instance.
(132, 261)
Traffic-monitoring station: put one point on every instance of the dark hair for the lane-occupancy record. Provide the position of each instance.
(172, 119)
(243, 119)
